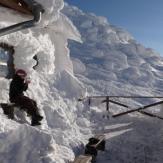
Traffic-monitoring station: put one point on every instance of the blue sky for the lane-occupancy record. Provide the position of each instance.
(142, 18)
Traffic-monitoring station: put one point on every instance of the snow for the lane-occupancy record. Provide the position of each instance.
(116, 64)
(111, 54)
(54, 140)
(104, 59)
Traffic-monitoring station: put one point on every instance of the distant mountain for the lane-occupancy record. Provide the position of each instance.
(110, 57)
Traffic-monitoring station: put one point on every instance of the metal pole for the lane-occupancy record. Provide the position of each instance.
(107, 103)
(37, 11)
(107, 106)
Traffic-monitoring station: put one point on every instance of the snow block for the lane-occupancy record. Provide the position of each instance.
(27, 144)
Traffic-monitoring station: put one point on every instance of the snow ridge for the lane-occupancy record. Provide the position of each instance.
(110, 54)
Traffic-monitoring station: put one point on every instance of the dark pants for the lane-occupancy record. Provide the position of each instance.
(26, 104)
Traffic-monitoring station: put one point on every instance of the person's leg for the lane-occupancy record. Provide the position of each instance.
(30, 107)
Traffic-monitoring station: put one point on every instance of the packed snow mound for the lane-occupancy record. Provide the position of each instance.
(53, 85)
(110, 54)
(24, 144)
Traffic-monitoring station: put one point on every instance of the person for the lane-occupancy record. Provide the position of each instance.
(18, 85)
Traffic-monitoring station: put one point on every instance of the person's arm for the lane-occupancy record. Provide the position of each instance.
(22, 85)
(25, 86)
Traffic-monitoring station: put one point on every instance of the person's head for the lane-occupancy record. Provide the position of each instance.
(21, 73)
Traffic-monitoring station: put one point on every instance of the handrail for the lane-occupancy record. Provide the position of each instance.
(37, 11)
(107, 96)
(108, 100)
(137, 109)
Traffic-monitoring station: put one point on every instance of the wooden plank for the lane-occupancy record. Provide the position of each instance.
(91, 97)
(118, 103)
(83, 159)
(150, 114)
(8, 104)
(95, 143)
(138, 109)
(100, 139)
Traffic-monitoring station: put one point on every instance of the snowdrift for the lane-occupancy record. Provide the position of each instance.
(110, 56)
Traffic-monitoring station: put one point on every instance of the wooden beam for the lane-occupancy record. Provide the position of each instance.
(138, 109)
(150, 114)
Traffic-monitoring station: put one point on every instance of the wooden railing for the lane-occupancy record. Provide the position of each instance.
(110, 99)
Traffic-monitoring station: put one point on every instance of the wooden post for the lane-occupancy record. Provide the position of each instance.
(107, 103)
(89, 101)
(107, 106)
